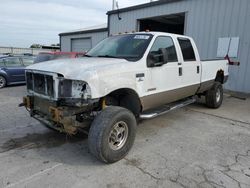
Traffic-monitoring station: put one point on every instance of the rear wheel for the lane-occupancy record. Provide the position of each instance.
(112, 134)
(214, 96)
(2, 82)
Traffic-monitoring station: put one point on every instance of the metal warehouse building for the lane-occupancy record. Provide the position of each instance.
(82, 39)
(212, 23)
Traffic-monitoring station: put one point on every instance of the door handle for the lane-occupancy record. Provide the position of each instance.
(198, 69)
(180, 71)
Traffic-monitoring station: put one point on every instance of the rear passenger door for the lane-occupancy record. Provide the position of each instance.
(14, 69)
(190, 72)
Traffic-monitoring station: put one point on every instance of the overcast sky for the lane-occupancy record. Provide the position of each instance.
(24, 22)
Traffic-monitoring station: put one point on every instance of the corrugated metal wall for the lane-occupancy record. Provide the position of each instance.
(95, 38)
(206, 21)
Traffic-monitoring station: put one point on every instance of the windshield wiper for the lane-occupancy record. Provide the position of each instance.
(108, 56)
(86, 55)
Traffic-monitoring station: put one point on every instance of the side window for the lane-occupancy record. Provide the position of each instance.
(187, 49)
(13, 62)
(28, 61)
(168, 44)
(2, 63)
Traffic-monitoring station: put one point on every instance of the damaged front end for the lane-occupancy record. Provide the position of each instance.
(59, 103)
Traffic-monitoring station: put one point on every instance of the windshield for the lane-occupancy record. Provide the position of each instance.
(43, 57)
(130, 46)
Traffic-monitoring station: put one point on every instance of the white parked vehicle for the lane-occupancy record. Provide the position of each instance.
(124, 78)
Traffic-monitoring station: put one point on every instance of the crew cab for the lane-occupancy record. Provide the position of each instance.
(124, 78)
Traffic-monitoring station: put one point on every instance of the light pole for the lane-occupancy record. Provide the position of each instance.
(113, 5)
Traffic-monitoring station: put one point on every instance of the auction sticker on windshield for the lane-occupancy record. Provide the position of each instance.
(143, 37)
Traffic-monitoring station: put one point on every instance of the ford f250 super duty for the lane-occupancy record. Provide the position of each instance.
(124, 78)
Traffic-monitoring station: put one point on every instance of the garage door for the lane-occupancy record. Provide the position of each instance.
(81, 44)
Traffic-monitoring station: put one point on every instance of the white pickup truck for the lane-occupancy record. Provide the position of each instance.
(124, 78)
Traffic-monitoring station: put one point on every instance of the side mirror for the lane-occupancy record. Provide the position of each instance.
(164, 53)
(156, 59)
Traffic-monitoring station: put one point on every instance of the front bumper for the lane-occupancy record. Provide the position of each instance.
(63, 118)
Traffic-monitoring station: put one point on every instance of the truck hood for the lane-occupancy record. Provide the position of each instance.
(72, 68)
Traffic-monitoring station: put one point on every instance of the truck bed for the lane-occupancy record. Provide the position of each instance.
(209, 70)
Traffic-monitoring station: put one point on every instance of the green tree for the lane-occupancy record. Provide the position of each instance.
(36, 46)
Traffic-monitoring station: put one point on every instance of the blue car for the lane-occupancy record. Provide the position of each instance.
(12, 69)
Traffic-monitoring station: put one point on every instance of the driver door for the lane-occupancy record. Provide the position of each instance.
(165, 77)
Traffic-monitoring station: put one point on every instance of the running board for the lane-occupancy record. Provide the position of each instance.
(166, 108)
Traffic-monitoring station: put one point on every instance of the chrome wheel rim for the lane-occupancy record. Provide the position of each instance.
(2, 82)
(118, 135)
(218, 95)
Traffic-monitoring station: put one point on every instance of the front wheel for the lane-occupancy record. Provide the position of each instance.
(2, 82)
(112, 134)
(214, 96)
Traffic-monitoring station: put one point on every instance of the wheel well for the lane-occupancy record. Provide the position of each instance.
(220, 76)
(126, 98)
